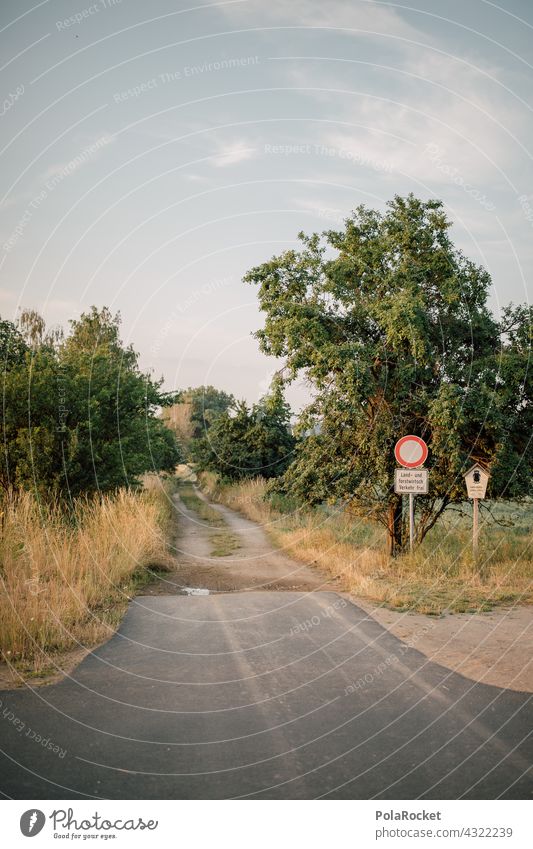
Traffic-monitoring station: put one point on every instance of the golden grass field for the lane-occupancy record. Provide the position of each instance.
(67, 578)
(439, 576)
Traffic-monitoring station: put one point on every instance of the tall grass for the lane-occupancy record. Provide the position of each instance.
(65, 578)
(439, 576)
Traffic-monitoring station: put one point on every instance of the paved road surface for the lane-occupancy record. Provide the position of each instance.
(263, 695)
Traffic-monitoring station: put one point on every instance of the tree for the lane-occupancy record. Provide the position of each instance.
(116, 431)
(34, 448)
(32, 327)
(247, 442)
(207, 403)
(79, 415)
(12, 345)
(389, 323)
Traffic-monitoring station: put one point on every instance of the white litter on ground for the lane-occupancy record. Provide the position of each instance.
(194, 591)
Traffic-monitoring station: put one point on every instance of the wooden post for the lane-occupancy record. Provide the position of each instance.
(475, 526)
(411, 521)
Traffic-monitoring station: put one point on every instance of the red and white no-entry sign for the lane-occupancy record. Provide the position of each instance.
(411, 451)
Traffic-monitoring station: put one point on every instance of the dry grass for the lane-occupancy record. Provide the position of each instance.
(439, 576)
(223, 544)
(66, 578)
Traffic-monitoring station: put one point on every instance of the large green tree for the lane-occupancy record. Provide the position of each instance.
(389, 323)
(79, 416)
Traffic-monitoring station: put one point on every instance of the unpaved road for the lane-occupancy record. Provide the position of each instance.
(254, 565)
(493, 648)
(261, 693)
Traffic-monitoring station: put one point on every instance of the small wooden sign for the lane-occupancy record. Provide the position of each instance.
(476, 480)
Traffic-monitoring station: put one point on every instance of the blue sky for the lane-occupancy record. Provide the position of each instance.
(152, 153)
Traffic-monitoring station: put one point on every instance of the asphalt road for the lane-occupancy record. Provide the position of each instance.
(263, 695)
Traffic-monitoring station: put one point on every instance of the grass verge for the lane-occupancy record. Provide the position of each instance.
(440, 576)
(223, 542)
(67, 577)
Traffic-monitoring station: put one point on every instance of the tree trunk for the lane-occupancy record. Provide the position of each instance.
(394, 528)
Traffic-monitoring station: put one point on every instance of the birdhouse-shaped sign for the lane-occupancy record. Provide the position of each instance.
(476, 480)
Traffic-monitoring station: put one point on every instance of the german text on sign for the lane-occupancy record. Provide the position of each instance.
(411, 480)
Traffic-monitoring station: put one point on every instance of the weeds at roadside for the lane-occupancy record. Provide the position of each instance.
(67, 578)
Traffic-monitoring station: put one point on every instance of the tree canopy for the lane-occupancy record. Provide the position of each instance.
(195, 411)
(389, 323)
(78, 414)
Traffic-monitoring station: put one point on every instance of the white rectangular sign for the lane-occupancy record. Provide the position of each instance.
(411, 480)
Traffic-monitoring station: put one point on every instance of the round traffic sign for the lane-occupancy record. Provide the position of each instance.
(411, 451)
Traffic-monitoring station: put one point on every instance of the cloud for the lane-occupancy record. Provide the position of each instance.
(365, 16)
(196, 178)
(233, 154)
(87, 152)
(397, 112)
(416, 88)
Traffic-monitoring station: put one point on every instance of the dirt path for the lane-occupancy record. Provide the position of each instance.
(493, 648)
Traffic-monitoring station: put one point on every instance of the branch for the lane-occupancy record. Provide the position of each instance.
(504, 523)
(425, 528)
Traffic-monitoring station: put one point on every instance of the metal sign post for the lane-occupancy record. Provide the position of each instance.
(411, 452)
(411, 520)
(476, 480)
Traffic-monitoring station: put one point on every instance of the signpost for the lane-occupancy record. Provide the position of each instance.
(476, 480)
(411, 452)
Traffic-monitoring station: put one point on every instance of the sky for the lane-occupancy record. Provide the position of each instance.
(151, 153)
